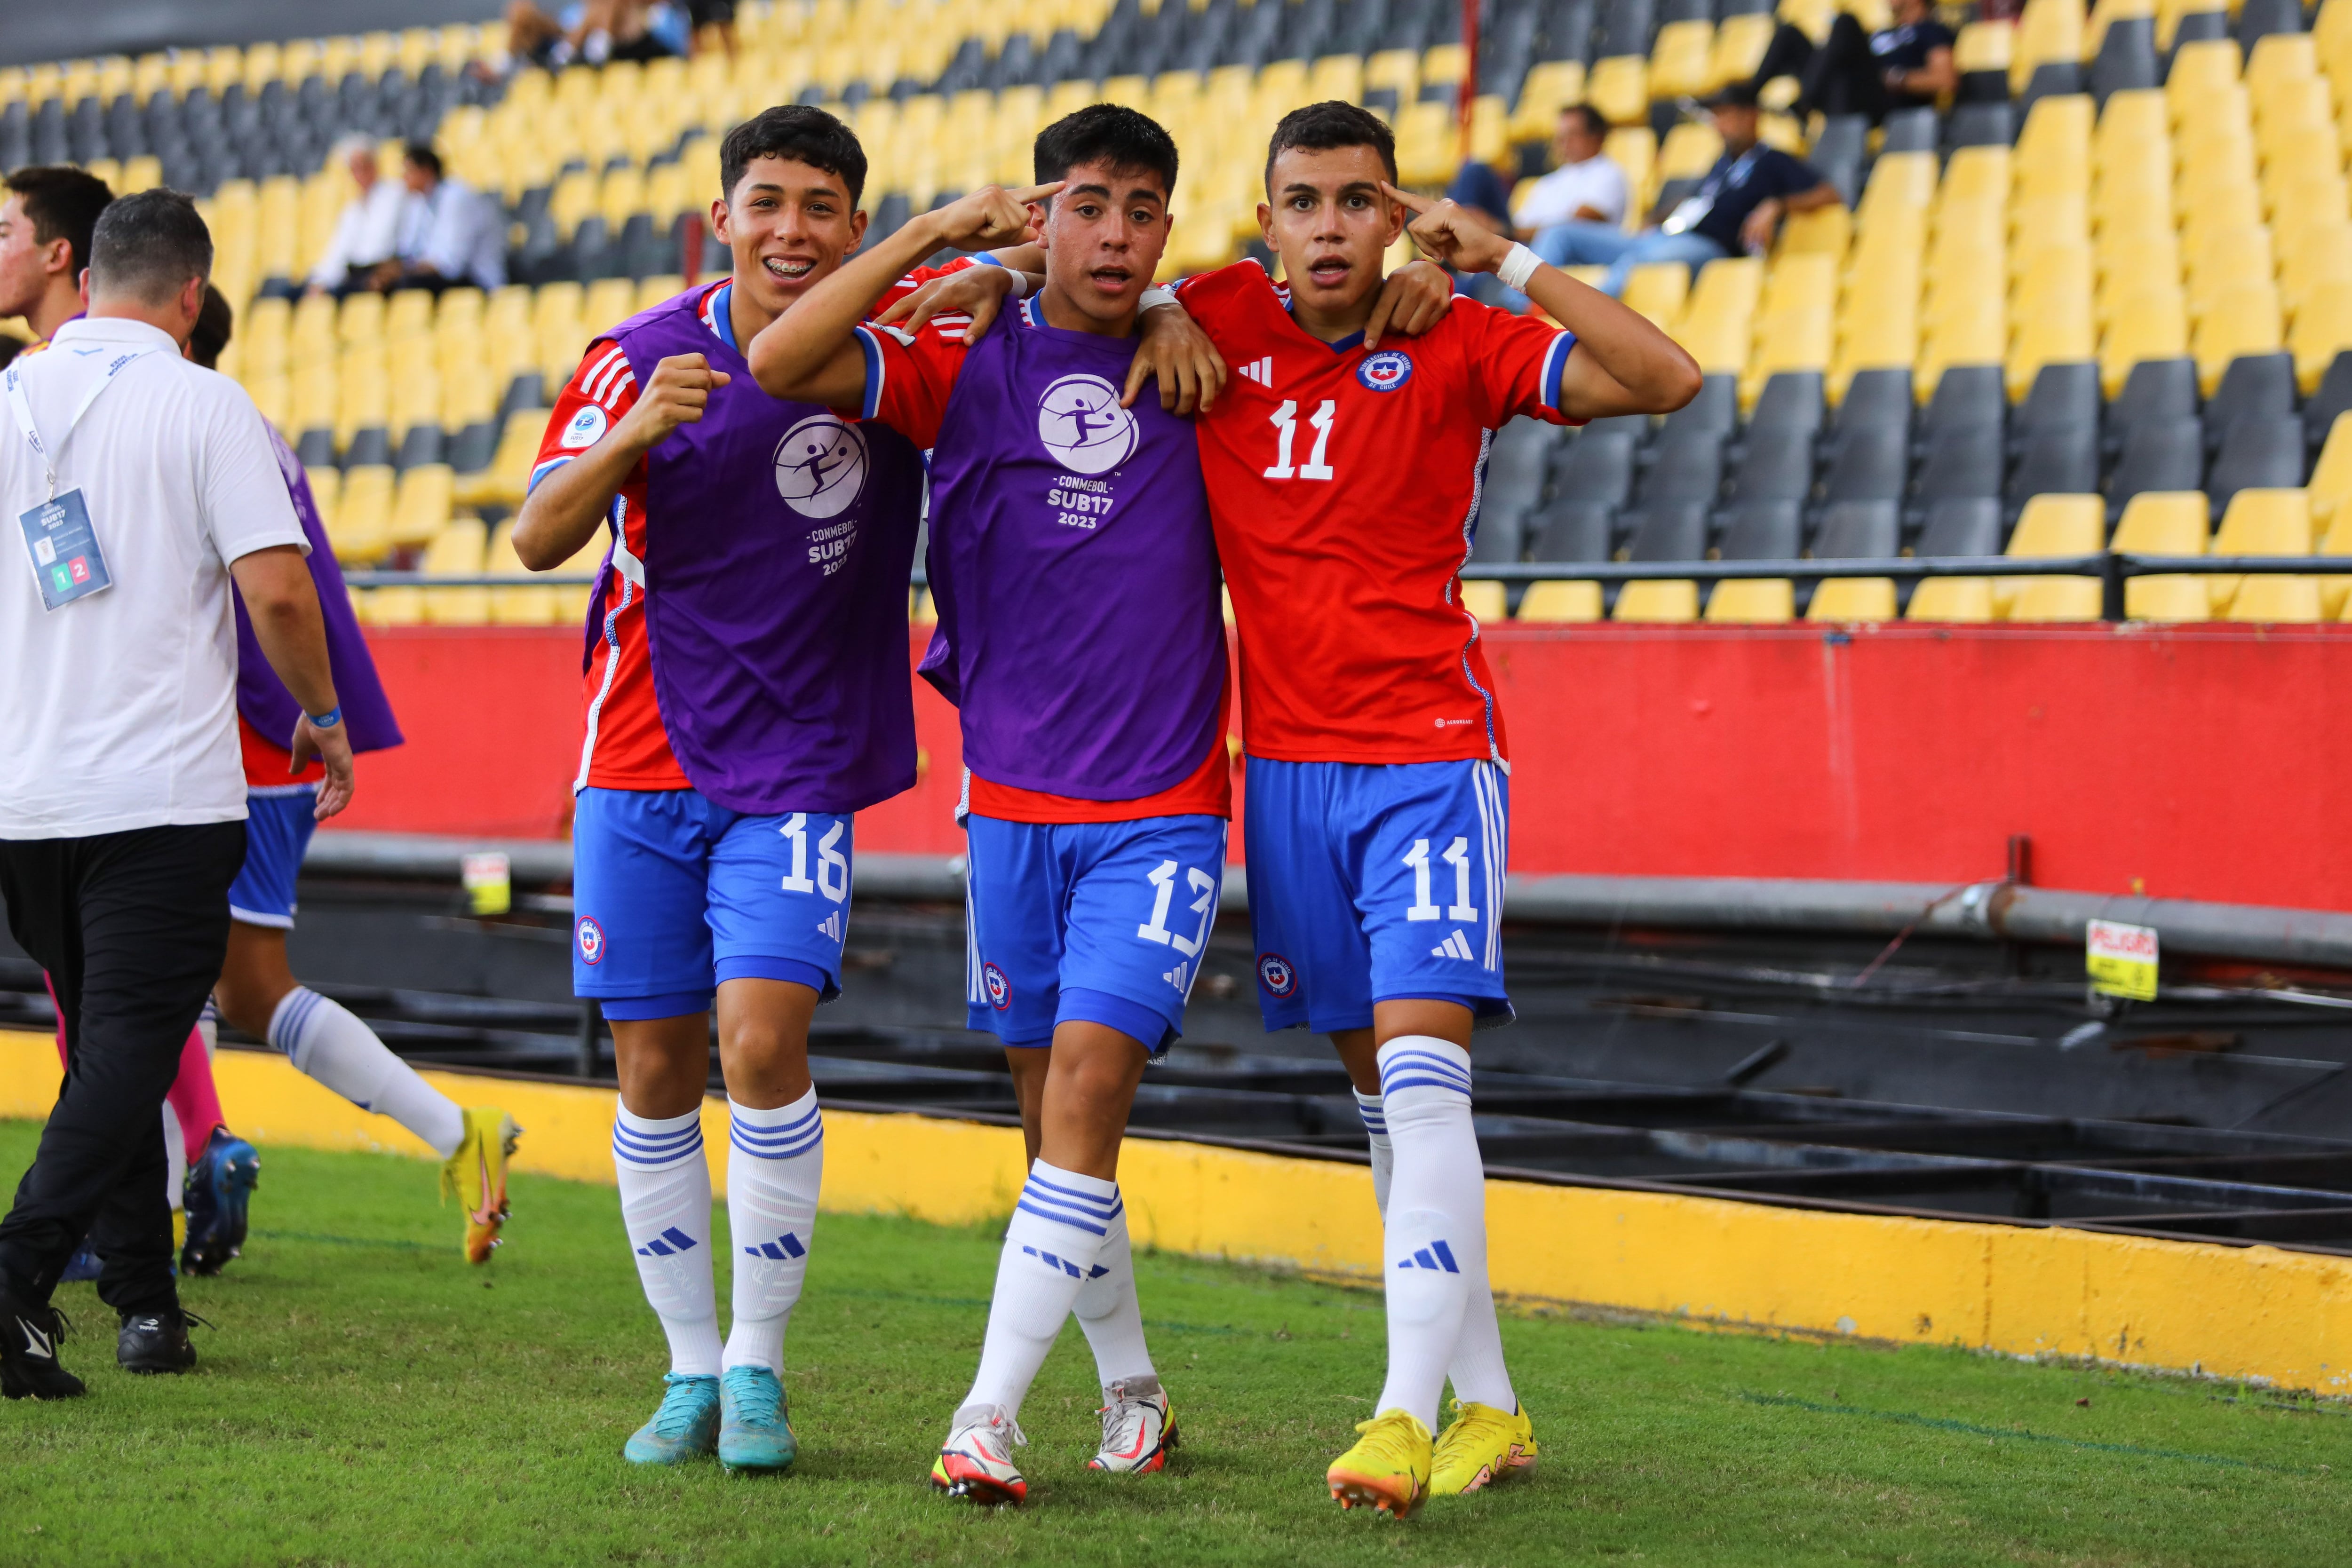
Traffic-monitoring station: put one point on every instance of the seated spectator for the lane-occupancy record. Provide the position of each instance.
(368, 230)
(1906, 66)
(1736, 208)
(591, 32)
(451, 235)
(1587, 190)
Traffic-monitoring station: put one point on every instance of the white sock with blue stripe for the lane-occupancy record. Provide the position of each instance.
(664, 1184)
(775, 1162)
(1108, 1309)
(1477, 1371)
(1436, 1228)
(1052, 1246)
(327, 1041)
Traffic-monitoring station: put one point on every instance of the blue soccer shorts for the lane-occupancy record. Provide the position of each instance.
(673, 895)
(1374, 881)
(278, 828)
(1098, 922)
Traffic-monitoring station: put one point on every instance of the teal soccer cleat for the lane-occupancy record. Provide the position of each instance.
(683, 1429)
(221, 1178)
(754, 1434)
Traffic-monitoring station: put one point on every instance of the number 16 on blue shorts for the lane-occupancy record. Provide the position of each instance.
(1094, 921)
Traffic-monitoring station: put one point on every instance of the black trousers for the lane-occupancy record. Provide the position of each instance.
(132, 928)
(1839, 76)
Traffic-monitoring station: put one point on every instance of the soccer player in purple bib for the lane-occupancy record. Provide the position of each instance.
(1080, 637)
(749, 692)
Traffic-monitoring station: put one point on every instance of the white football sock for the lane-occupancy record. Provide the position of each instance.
(1436, 1228)
(1109, 1311)
(325, 1041)
(665, 1204)
(1052, 1243)
(1376, 1135)
(1477, 1370)
(209, 1026)
(775, 1162)
(176, 1160)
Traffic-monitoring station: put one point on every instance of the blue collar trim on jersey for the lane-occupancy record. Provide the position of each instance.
(1352, 341)
(722, 320)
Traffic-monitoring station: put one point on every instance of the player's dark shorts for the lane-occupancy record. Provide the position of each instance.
(278, 823)
(673, 895)
(1098, 921)
(1374, 881)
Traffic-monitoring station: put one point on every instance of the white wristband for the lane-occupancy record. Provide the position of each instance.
(1020, 278)
(1153, 298)
(1517, 267)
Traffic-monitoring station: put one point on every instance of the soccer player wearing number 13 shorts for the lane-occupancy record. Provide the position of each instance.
(1344, 489)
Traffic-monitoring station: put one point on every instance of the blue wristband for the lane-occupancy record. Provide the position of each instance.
(327, 720)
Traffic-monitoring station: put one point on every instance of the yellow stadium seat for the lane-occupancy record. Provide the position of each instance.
(2335, 591)
(1561, 601)
(1960, 599)
(1760, 600)
(1486, 600)
(2243, 319)
(2165, 522)
(1657, 290)
(1634, 149)
(1853, 598)
(1681, 58)
(2330, 486)
(1824, 231)
(1738, 50)
(2265, 522)
(1984, 47)
(421, 505)
(457, 551)
(2310, 255)
(1671, 601)
(2323, 328)
(530, 605)
(2131, 124)
(1398, 68)
(326, 494)
(2049, 31)
(1425, 143)
(1550, 86)
(363, 520)
(1689, 150)
(2202, 69)
(1898, 178)
(2056, 135)
(2146, 323)
(2105, 11)
(2278, 59)
(1810, 17)
(2053, 524)
(1619, 88)
(1718, 323)
(508, 476)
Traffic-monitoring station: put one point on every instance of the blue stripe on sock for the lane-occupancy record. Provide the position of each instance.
(786, 1152)
(1425, 1062)
(1072, 1221)
(1049, 1192)
(780, 1130)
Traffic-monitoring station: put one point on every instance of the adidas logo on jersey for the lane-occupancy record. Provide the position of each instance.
(1178, 977)
(668, 1244)
(1261, 372)
(1436, 1256)
(830, 925)
(786, 1246)
(1455, 946)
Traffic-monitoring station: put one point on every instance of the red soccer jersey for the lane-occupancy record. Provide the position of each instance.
(1344, 487)
(625, 745)
(269, 766)
(908, 380)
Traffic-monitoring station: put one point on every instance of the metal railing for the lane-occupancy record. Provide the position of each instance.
(2112, 568)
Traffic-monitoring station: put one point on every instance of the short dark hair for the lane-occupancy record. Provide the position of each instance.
(421, 154)
(64, 204)
(215, 324)
(1595, 122)
(1131, 143)
(799, 132)
(1326, 126)
(149, 245)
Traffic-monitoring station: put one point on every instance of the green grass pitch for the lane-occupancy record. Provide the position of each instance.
(368, 1399)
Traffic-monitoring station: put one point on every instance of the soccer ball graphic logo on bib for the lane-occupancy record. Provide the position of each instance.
(821, 466)
(1081, 423)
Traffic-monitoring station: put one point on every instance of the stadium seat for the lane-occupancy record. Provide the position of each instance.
(456, 551)
(2165, 522)
(2058, 459)
(421, 505)
(361, 527)
(1572, 529)
(1488, 601)
(2330, 486)
(2265, 522)
(1561, 601)
(2155, 389)
(1766, 530)
(2053, 524)
(2159, 456)
(1964, 461)
(1667, 532)
(2149, 322)
(2257, 452)
(2322, 326)
(1596, 466)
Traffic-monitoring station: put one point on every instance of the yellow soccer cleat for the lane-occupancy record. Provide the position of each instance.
(1483, 1445)
(477, 1176)
(1387, 1468)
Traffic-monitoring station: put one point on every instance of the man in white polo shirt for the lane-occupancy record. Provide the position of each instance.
(134, 485)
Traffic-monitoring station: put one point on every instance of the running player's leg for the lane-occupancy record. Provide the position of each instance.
(325, 1041)
(216, 1170)
(641, 947)
(779, 902)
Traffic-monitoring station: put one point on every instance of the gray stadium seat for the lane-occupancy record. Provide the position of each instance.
(1777, 467)
(2252, 385)
(2126, 59)
(1980, 124)
(1675, 530)
(1762, 530)
(1964, 526)
(1597, 467)
(2060, 394)
(1967, 461)
(1870, 465)
(1572, 530)
(2160, 453)
(1877, 400)
(2058, 460)
(1909, 131)
(1715, 409)
(1790, 403)
(1968, 397)
(2259, 452)
(2156, 389)
(2258, 18)
(2333, 397)
(1859, 530)
(1686, 468)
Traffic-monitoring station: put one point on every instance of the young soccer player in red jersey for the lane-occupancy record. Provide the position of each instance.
(1344, 486)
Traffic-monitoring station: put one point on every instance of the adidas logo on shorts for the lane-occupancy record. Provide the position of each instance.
(830, 925)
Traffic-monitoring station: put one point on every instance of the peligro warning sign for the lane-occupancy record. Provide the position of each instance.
(2121, 959)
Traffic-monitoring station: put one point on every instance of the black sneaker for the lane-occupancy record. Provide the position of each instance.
(156, 1341)
(29, 1351)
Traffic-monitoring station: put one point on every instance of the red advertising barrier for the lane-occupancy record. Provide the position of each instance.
(2202, 762)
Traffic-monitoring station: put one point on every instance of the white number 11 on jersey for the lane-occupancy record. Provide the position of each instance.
(1286, 424)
